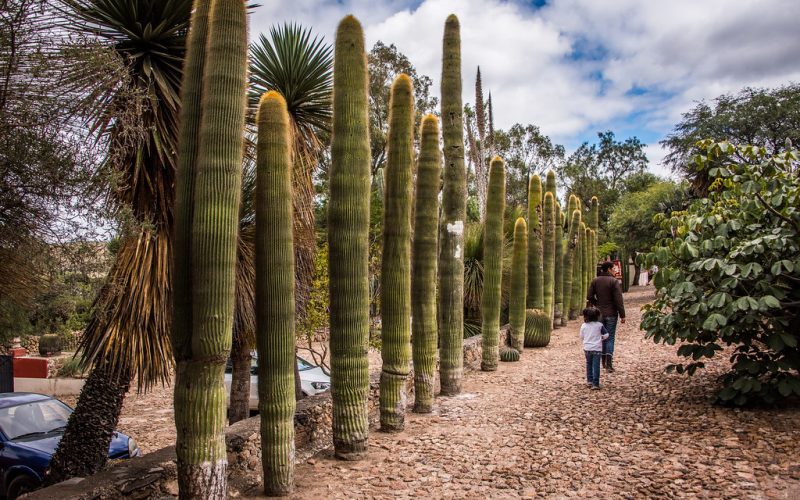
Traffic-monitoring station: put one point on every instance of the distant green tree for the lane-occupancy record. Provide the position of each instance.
(729, 269)
(753, 116)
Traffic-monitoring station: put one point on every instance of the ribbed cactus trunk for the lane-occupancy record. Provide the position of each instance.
(454, 213)
(579, 277)
(550, 184)
(396, 257)
(594, 224)
(207, 223)
(492, 265)
(275, 311)
(535, 277)
(348, 243)
(571, 264)
(558, 275)
(423, 271)
(549, 253)
(587, 264)
(519, 285)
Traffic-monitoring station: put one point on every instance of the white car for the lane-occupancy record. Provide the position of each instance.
(313, 379)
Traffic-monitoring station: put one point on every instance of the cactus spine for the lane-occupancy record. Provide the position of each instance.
(548, 253)
(454, 211)
(396, 259)
(275, 295)
(570, 260)
(519, 285)
(558, 274)
(423, 278)
(535, 278)
(492, 264)
(348, 242)
(207, 222)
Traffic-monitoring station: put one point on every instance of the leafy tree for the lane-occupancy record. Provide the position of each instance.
(632, 226)
(385, 63)
(753, 116)
(526, 151)
(601, 169)
(729, 269)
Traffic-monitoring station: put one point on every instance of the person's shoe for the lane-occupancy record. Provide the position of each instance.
(589, 384)
(595, 387)
(603, 359)
(610, 363)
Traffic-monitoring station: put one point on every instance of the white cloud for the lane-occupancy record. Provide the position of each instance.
(678, 51)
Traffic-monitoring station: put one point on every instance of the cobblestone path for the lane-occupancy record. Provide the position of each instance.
(533, 428)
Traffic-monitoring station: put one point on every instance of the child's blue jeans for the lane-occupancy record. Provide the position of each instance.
(593, 367)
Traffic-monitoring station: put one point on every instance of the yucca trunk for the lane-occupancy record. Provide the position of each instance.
(519, 285)
(208, 204)
(626, 279)
(454, 213)
(558, 274)
(492, 265)
(348, 243)
(548, 253)
(423, 277)
(570, 264)
(275, 308)
(396, 257)
(535, 278)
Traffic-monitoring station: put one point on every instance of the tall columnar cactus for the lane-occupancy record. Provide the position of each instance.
(396, 259)
(594, 223)
(570, 261)
(423, 271)
(348, 243)
(535, 278)
(454, 213)
(492, 264)
(206, 226)
(549, 253)
(519, 285)
(275, 295)
(558, 275)
(550, 183)
(579, 276)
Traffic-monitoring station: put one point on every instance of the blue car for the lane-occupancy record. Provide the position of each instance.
(31, 425)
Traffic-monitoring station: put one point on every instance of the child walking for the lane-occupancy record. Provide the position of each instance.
(593, 333)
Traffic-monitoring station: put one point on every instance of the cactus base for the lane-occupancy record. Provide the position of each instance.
(393, 409)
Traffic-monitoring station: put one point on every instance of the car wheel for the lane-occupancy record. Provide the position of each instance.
(21, 484)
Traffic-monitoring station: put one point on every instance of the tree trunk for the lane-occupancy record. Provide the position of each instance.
(636, 270)
(239, 408)
(298, 389)
(83, 449)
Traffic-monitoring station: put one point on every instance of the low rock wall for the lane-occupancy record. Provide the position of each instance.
(155, 474)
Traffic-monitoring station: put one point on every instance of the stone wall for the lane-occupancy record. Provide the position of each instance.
(155, 475)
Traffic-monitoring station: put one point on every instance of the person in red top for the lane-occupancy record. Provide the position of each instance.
(605, 293)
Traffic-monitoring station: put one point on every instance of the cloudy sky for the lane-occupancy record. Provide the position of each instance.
(576, 67)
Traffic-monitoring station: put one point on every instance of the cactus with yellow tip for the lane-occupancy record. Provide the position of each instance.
(423, 270)
(454, 214)
(492, 264)
(535, 271)
(519, 285)
(275, 311)
(396, 257)
(348, 243)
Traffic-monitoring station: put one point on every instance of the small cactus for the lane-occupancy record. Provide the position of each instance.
(509, 354)
(538, 326)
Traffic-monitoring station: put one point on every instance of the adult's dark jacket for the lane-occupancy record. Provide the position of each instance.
(605, 293)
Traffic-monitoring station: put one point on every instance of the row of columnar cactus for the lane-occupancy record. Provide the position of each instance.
(396, 259)
(454, 212)
(206, 229)
(492, 264)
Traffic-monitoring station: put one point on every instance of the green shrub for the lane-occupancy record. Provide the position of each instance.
(729, 269)
(49, 345)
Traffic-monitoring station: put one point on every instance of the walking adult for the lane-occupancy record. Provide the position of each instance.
(605, 293)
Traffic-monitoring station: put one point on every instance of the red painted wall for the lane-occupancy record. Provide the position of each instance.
(30, 367)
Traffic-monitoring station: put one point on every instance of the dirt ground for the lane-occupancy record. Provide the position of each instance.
(533, 428)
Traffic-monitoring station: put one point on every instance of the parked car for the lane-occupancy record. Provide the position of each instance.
(31, 426)
(313, 379)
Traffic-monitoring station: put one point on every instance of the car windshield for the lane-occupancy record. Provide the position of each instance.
(303, 365)
(34, 419)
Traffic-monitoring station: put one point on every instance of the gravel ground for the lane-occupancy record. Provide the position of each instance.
(533, 428)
